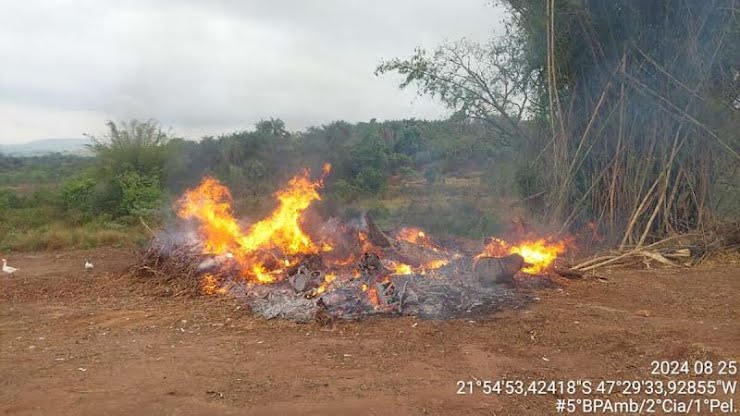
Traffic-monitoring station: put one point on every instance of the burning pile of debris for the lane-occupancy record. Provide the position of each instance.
(282, 266)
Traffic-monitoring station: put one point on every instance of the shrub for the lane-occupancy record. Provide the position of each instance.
(409, 143)
(406, 171)
(141, 196)
(8, 199)
(346, 191)
(79, 195)
(432, 175)
(135, 145)
(371, 179)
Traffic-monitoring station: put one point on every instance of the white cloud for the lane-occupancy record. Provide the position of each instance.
(208, 67)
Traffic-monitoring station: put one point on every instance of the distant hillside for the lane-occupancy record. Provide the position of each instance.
(46, 146)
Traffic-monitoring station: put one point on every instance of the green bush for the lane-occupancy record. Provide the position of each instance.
(346, 191)
(397, 161)
(432, 175)
(409, 143)
(141, 196)
(371, 179)
(78, 195)
(8, 199)
(406, 171)
(45, 196)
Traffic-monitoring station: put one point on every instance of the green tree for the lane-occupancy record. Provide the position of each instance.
(629, 109)
(490, 82)
(131, 159)
(131, 146)
(141, 196)
(79, 198)
(79, 194)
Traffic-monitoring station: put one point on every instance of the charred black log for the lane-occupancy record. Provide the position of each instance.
(370, 264)
(495, 270)
(568, 273)
(386, 293)
(377, 237)
(310, 262)
(305, 280)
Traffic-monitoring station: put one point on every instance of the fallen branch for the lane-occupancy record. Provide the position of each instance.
(154, 235)
(591, 261)
(657, 257)
(402, 295)
(629, 253)
(568, 273)
(678, 253)
(174, 269)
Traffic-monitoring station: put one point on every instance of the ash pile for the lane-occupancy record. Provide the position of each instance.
(462, 288)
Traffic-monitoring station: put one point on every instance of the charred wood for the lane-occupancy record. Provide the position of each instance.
(374, 235)
(497, 270)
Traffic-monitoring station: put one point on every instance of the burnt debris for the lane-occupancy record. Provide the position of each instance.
(317, 286)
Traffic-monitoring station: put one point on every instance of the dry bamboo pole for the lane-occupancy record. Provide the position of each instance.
(667, 175)
(667, 74)
(577, 205)
(667, 223)
(553, 73)
(618, 150)
(149, 229)
(669, 204)
(704, 178)
(593, 143)
(586, 131)
(571, 172)
(602, 173)
(638, 201)
(679, 113)
(548, 5)
(638, 211)
(591, 261)
(611, 260)
(560, 139)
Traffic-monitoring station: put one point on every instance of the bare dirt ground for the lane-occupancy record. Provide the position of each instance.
(73, 342)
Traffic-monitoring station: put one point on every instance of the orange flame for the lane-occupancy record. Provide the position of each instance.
(210, 204)
(329, 278)
(435, 264)
(372, 295)
(411, 235)
(265, 249)
(406, 269)
(538, 254)
(416, 236)
(261, 274)
(400, 268)
(345, 262)
(365, 244)
(209, 285)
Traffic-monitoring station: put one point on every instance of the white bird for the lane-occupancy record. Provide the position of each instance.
(88, 265)
(7, 269)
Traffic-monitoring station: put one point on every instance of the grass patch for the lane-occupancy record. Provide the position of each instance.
(60, 235)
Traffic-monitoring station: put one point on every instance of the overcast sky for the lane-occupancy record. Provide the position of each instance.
(207, 67)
